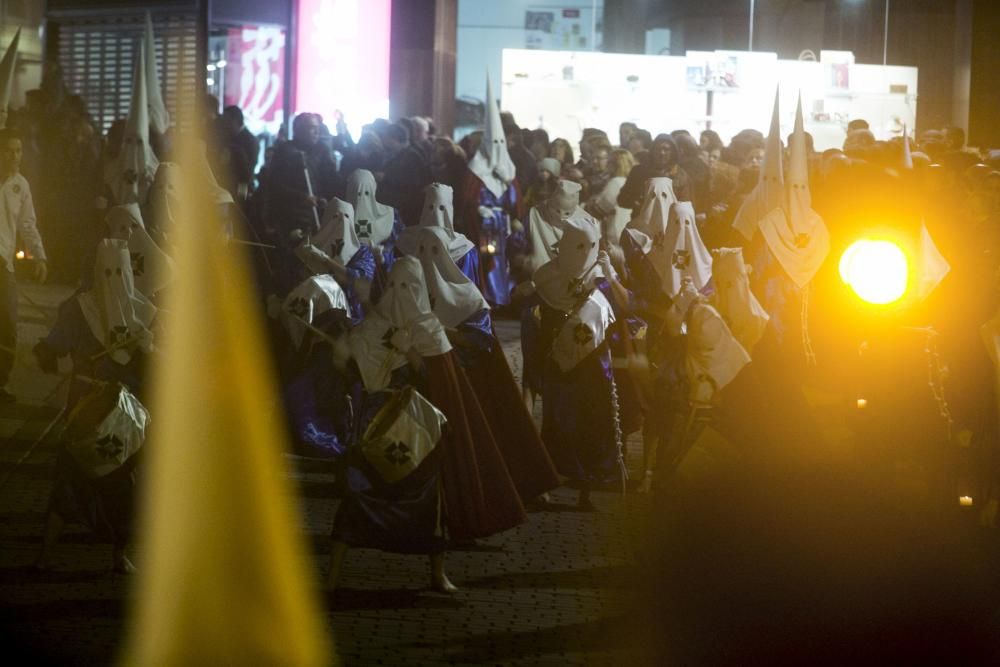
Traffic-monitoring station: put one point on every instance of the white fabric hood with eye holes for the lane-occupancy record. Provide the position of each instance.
(152, 269)
(132, 172)
(796, 235)
(492, 163)
(453, 297)
(406, 304)
(733, 298)
(545, 221)
(372, 221)
(336, 236)
(566, 281)
(668, 234)
(438, 213)
(114, 311)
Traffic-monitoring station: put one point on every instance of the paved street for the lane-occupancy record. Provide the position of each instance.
(556, 591)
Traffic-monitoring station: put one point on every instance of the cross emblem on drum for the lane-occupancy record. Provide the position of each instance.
(801, 240)
(299, 307)
(582, 334)
(387, 338)
(109, 447)
(397, 453)
(681, 259)
(118, 335)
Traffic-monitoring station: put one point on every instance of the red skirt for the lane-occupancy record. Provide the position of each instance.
(479, 495)
(516, 434)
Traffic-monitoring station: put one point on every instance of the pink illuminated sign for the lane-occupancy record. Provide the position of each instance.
(342, 61)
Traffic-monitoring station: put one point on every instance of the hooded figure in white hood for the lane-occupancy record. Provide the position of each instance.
(544, 229)
(118, 315)
(580, 408)
(159, 117)
(666, 233)
(132, 172)
(336, 249)
(491, 199)
(794, 232)
(733, 298)
(438, 216)
(7, 67)
(152, 269)
(375, 223)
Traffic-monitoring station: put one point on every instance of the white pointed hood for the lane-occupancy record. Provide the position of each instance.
(372, 221)
(406, 304)
(492, 163)
(769, 193)
(733, 298)
(115, 312)
(545, 221)
(667, 231)
(907, 151)
(336, 236)
(159, 118)
(932, 266)
(453, 297)
(7, 68)
(797, 235)
(132, 172)
(566, 281)
(304, 304)
(164, 195)
(438, 213)
(713, 355)
(152, 269)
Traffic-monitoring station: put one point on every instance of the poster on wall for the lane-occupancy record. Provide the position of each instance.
(569, 28)
(255, 56)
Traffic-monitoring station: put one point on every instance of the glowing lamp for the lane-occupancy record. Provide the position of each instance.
(20, 254)
(862, 404)
(965, 501)
(491, 249)
(876, 270)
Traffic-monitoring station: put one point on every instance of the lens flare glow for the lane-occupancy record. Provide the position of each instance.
(876, 270)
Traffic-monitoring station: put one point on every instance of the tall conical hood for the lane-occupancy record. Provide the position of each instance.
(907, 152)
(7, 67)
(135, 167)
(492, 163)
(796, 235)
(159, 118)
(770, 191)
(799, 197)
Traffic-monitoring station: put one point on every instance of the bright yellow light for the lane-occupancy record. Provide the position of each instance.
(20, 254)
(875, 270)
(965, 501)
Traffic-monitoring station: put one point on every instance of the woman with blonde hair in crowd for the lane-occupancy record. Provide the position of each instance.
(604, 206)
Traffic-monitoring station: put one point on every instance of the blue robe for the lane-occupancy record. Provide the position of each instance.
(319, 404)
(469, 265)
(494, 232)
(402, 517)
(361, 265)
(580, 425)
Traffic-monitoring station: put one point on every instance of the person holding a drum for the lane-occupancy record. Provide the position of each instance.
(425, 466)
(106, 332)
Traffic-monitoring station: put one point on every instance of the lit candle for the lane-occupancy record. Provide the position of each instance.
(20, 254)
(862, 404)
(965, 501)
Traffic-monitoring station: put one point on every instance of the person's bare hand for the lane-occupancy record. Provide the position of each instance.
(41, 272)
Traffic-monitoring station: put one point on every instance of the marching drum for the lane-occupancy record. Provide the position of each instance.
(105, 428)
(403, 433)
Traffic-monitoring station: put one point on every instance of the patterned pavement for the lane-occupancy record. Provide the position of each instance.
(555, 591)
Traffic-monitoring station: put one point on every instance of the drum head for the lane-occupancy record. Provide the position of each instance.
(387, 415)
(92, 410)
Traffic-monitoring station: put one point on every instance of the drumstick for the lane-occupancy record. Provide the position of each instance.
(254, 244)
(316, 330)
